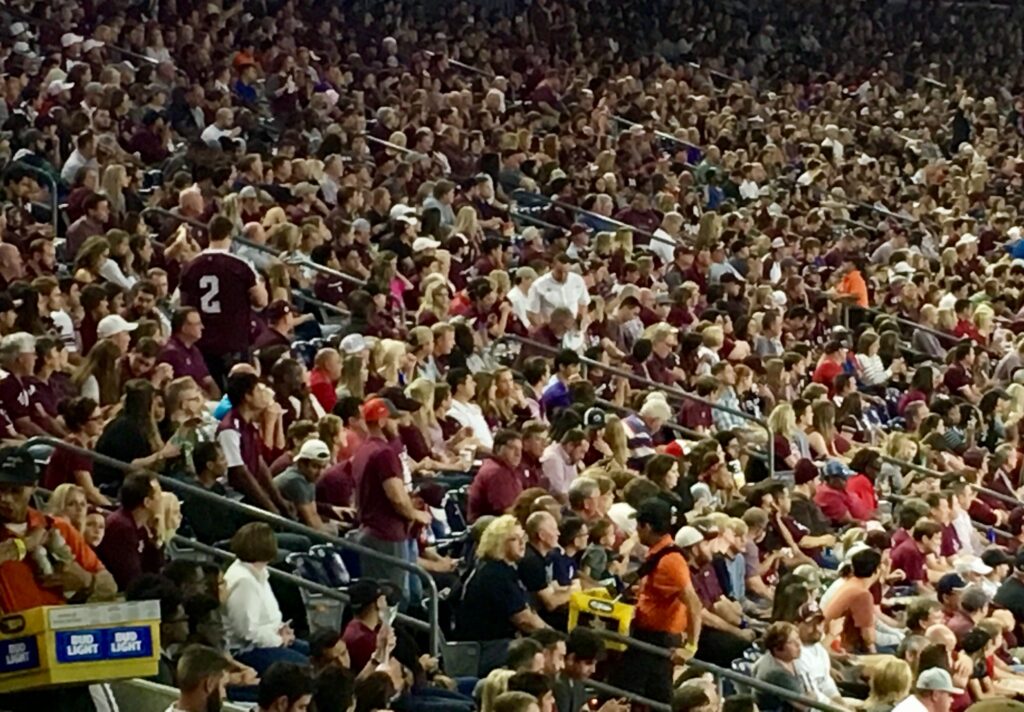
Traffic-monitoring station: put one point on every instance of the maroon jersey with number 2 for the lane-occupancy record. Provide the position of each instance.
(217, 283)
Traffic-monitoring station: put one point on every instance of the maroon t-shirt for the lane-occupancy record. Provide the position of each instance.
(217, 283)
(956, 378)
(63, 465)
(373, 464)
(336, 487)
(493, 490)
(128, 551)
(16, 396)
(908, 558)
(184, 360)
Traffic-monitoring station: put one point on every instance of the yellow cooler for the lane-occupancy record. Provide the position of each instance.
(595, 608)
(54, 645)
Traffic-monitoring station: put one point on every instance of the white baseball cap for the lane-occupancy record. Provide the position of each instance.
(424, 243)
(314, 449)
(353, 344)
(688, 536)
(971, 564)
(90, 45)
(57, 86)
(70, 38)
(114, 324)
(937, 680)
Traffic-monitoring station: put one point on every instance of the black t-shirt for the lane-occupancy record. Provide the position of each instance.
(210, 523)
(1011, 597)
(491, 596)
(122, 440)
(535, 571)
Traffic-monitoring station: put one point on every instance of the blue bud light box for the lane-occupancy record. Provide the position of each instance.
(75, 644)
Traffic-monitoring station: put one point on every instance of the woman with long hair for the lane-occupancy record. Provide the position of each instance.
(99, 377)
(890, 684)
(132, 436)
(354, 375)
(68, 501)
(84, 421)
(782, 422)
(922, 386)
(115, 180)
(824, 437)
(119, 268)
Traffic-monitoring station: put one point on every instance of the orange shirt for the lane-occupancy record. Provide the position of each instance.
(853, 283)
(19, 589)
(658, 605)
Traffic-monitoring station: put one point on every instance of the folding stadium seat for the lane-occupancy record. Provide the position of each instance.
(322, 613)
(334, 569)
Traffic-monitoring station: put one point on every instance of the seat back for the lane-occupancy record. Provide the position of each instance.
(333, 565)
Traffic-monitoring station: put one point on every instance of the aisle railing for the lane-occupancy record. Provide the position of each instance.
(670, 390)
(274, 520)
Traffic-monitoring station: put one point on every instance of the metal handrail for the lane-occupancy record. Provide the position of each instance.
(672, 390)
(275, 520)
(657, 132)
(54, 198)
(726, 673)
(603, 688)
(683, 239)
(394, 146)
(325, 591)
(262, 248)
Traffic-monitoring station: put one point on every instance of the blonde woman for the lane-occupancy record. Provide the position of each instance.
(115, 180)
(946, 320)
(231, 208)
(782, 422)
(422, 391)
(925, 341)
(890, 685)
(436, 302)
(502, 546)
(274, 217)
(823, 437)
(168, 520)
(613, 444)
(468, 225)
(69, 501)
(354, 375)
(392, 362)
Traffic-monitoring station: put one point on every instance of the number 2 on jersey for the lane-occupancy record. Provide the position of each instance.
(208, 301)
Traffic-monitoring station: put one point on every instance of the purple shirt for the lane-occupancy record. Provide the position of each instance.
(128, 551)
(706, 584)
(184, 360)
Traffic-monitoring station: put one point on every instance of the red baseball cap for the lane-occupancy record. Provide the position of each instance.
(377, 409)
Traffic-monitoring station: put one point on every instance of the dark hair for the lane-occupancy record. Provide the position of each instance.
(566, 357)
(374, 692)
(505, 436)
(198, 663)
(239, 386)
(284, 680)
(198, 608)
(521, 652)
(335, 688)
(535, 683)
(739, 703)
(182, 571)
(975, 640)
(220, 228)
(568, 530)
(180, 316)
(456, 377)
(584, 644)
(203, 454)
(548, 637)
(77, 412)
(865, 563)
(534, 369)
(347, 407)
(925, 530)
(136, 488)
(322, 641)
(777, 635)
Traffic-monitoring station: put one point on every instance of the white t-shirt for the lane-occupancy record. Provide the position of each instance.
(911, 704)
(469, 415)
(814, 665)
(546, 294)
(665, 248)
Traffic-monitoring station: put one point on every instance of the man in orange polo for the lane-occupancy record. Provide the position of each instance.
(667, 607)
(26, 534)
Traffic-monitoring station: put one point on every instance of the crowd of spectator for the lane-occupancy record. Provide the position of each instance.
(714, 309)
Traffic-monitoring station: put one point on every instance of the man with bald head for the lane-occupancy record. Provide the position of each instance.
(960, 662)
(536, 570)
(12, 267)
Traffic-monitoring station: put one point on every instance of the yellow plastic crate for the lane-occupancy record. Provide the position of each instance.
(595, 608)
(54, 645)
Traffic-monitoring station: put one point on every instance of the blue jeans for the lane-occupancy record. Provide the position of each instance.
(259, 659)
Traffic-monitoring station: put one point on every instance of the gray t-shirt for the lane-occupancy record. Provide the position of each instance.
(294, 487)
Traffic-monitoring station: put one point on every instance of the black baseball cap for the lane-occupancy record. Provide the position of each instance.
(398, 399)
(655, 512)
(949, 583)
(995, 556)
(366, 590)
(17, 467)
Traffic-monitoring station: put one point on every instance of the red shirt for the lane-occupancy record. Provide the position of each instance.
(908, 558)
(374, 463)
(19, 588)
(826, 372)
(322, 388)
(861, 491)
(835, 504)
(493, 490)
